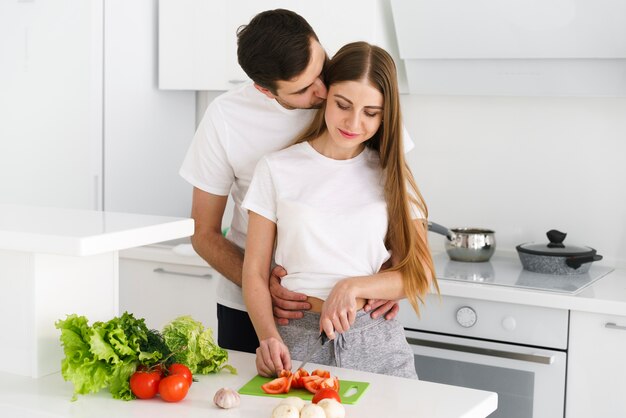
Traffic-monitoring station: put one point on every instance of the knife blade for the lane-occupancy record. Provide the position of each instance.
(314, 348)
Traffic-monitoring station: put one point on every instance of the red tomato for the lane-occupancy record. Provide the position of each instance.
(278, 385)
(320, 373)
(324, 394)
(330, 383)
(297, 378)
(173, 388)
(145, 385)
(158, 368)
(312, 385)
(181, 369)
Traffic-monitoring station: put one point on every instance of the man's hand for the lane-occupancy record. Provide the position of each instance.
(388, 308)
(286, 304)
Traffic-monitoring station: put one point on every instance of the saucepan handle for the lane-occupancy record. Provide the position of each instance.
(577, 261)
(440, 229)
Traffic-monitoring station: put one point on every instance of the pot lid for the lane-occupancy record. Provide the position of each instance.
(555, 247)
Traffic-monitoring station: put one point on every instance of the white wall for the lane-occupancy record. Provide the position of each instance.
(522, 166)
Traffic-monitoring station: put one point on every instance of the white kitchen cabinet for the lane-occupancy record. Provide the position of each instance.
(596, 366)
(51, 103)
(198, 43)
(147, 130)
(160, 285)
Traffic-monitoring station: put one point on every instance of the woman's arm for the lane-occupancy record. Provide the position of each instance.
(272, 354)
(339, 310)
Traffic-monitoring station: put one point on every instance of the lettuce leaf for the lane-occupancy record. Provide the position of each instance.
(104, 354)
(194, 346)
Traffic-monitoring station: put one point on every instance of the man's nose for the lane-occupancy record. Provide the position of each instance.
(320, 89)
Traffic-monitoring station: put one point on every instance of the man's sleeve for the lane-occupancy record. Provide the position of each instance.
(206, 165)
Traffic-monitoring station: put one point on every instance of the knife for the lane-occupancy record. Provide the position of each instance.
(314, 348)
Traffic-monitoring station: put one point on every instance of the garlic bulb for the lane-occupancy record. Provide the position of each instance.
(226, 398)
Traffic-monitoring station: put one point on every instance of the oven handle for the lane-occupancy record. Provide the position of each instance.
(534, 358)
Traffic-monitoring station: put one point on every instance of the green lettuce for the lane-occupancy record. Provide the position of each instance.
(104, 354)
(193, 345)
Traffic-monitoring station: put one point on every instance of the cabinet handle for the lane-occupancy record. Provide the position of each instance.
(202, 276)
(613, 325)
(533, 358)
(236, 81)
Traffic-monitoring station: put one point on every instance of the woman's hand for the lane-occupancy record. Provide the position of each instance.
(339, 309)
(272, 357)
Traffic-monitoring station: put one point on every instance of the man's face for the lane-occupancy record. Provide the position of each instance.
(307, 90)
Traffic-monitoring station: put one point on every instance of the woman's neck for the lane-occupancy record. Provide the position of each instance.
(325, 146)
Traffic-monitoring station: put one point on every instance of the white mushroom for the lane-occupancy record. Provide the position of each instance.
(312, 411)
(293, 401)
(226, 398)
(286, 411)
(332, 408)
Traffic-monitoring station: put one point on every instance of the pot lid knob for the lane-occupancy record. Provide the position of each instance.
(556, 238)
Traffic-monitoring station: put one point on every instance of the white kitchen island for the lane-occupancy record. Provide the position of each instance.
(55, 262)
(385, 397)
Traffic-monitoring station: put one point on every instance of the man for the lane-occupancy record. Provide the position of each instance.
(281, 53)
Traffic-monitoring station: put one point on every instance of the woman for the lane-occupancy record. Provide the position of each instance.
(325, 202)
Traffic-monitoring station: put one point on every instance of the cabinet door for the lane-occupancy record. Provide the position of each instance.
(51, 103)
(198, 43)
(147, 130)
(160, 292)
(596, 366)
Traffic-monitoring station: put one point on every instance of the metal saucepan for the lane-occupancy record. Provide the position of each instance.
(556, 257)
(467, 244)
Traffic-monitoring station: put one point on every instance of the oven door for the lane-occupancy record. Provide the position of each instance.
(530, 382)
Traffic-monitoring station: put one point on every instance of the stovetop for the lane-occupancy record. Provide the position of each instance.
(506, 270)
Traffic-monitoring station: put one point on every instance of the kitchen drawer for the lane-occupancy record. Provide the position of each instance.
(507, 322)
(160, 292)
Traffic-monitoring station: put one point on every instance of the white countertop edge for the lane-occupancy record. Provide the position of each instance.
(136, 237)
(50, 396)
(580, 302)
(96, 244)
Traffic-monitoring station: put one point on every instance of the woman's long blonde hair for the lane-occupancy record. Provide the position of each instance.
(361, 61)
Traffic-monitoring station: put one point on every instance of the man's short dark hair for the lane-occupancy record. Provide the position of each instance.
(275, 45)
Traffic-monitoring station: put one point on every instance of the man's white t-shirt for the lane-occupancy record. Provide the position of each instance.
(331, 215)
(238, 128)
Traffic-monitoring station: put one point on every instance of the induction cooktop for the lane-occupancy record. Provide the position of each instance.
(506, 270)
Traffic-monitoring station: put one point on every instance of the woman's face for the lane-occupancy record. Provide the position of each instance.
(354, 111)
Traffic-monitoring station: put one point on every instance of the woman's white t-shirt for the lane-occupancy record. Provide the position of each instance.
(331, 215)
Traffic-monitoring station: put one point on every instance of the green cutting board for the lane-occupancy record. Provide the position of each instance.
(353, 389)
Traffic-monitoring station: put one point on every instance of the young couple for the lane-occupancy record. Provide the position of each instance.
(341, 205)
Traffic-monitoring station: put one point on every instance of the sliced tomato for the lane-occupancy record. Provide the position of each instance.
(312, 384)
(278, 385)
(326, 394)
(306, 379)
(330, 383)
(320, 373)
(297, 378)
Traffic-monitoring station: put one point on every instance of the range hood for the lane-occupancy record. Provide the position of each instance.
(513, 47)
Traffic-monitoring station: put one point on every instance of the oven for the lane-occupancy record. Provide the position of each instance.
(518, 351)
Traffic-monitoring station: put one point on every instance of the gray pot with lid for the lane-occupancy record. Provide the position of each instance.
(555, 257)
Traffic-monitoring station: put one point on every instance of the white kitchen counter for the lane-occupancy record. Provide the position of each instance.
(76, 232)
(385, 397)
(55, 262)
(607, 295)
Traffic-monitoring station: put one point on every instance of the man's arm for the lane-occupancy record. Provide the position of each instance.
(207, 211)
